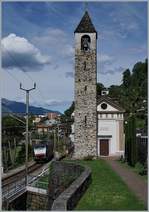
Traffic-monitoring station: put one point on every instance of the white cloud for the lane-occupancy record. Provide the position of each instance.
(137, 49)
(55, 41)
(54, 102)
(104, 58)
(112, 71)
(106, 65)
(19, 52)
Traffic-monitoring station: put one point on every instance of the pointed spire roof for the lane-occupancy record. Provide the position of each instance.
(85, 25)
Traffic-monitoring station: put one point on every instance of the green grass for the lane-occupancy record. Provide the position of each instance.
(135, 170)
(107, 191)
(42, 182)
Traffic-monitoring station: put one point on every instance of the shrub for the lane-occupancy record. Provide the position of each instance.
(21, 155)
(130, 142)
(89, 157)
(140, 168)
(122, 159)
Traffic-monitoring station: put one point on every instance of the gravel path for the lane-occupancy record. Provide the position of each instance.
(133, 181)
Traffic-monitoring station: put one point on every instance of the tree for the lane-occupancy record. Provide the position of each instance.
(100, 87)
(12, 131)
(115, 91)
(66, 117)
(133, 91)
(130, 141)
(126, 78)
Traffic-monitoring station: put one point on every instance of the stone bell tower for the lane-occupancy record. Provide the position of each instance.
(85, 116)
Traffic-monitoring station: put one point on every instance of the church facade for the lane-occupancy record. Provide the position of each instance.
(110, 139)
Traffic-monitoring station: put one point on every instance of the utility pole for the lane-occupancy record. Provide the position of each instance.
(27, 134)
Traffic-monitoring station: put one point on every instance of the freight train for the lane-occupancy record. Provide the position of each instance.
(43, 151)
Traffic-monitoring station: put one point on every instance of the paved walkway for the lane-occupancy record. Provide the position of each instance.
(134, 182)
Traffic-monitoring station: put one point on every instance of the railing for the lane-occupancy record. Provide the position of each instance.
(34, 179)
(11, 190)
(142, 148)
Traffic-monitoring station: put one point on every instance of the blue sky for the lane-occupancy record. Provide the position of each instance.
(38, 45)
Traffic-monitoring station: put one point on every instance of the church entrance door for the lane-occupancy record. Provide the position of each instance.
(104, 147)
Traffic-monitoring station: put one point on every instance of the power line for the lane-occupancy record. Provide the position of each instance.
(16, 78)
(23, 70)
(15, 61)
(17, 118)
(12, 76)
(18, 81)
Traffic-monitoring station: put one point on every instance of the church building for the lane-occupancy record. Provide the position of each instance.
(95, 127)
(110, 140)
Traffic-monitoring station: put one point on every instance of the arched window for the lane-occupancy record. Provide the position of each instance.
(85, 43)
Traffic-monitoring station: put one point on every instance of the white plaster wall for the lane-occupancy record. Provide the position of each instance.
(109, 107)
(78, 40)
(109, 127)
(117, 136)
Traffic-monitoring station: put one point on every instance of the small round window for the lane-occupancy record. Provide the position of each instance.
(104, 106)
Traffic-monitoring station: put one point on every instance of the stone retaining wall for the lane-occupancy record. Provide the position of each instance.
(67, 183)
(61, 198)
(37, 199)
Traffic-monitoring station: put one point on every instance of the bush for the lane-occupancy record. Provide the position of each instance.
(89, 157)
(122, 159)
(140, 168)
(145, 167)
(130, 142)
(21, 155)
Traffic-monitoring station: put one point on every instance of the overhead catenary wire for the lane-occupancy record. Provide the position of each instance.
(22, 69)
(18, 81)
(58, 14)
(12, 76)
(15, 61)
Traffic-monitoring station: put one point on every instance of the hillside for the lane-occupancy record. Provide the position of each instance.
(9, 106)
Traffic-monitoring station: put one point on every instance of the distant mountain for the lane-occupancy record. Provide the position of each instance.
(9, 106)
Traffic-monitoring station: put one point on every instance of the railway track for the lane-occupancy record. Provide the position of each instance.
(7, 180)
(14, 185)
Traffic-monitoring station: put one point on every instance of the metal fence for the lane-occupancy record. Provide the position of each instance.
(38, 181)
(142, 149)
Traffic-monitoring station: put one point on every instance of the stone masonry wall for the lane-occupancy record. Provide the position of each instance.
(62, 174)
(85, 116)
(37, 201)
(68, 199)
